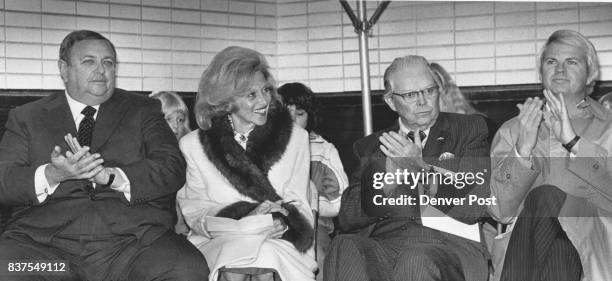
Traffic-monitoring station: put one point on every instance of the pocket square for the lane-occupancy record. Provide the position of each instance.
(446, 156)
(440, 139)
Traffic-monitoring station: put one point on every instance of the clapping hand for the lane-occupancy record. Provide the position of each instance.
(102, 176)
(402, 151)
(71, 166)
(557, 117)
(530, 116)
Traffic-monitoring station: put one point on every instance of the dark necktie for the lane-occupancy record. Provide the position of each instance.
(422, 134)
(86, 127)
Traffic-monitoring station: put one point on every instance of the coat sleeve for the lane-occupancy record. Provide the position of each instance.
(16, 172)
(511, 178)
(193, 198)
(162, 169)
(593, 165)
(296, 186)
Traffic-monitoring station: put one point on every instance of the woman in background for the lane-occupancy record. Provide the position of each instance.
(246, 196)
(326, 171)
(175, 111)
(451, 99)
(177, 115)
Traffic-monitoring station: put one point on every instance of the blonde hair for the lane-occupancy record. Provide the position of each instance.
(171, 102)
(230, 74)
(451, 98)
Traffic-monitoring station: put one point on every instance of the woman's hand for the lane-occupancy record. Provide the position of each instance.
(268, 207)
(279, 228)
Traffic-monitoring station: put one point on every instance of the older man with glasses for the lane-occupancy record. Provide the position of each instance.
(383, 214)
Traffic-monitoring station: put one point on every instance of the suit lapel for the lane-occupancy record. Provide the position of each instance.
(109, 117)
(58, 119)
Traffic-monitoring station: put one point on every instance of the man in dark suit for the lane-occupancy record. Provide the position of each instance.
(105, 209)
(390, 242)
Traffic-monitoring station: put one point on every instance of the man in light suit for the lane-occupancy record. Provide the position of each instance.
(102, 208)
(390, 242)
(551, 171)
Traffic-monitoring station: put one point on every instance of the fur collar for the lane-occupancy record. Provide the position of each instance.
(247, 171)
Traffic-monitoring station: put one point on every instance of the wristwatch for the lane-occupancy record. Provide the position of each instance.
(568, 146)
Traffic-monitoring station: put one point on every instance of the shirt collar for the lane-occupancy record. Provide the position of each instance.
(76, 107)
(592, 106)
(404, 130)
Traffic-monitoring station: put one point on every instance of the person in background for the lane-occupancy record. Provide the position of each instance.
(176, 114)
(606, 100)
(551, 172)
(451, 98)
(326, 170)
(246, 197)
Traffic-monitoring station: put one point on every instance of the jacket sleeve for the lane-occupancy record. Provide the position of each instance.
(161, 172)
(351, 217)
(593, 165)
(511, 178)
(16, 172)
(327, 173)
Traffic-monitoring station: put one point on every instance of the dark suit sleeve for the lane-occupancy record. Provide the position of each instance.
(474, 158)
(16, 174)
(162, 170)
(351, 217)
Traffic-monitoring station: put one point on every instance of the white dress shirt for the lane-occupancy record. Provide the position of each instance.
(41, 185)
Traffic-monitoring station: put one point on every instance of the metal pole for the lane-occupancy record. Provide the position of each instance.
(365, 67)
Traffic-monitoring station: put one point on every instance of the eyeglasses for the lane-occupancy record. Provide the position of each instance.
(414, 95)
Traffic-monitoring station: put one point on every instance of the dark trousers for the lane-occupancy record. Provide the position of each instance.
(539, 249)
(171, 257)
(411, 253)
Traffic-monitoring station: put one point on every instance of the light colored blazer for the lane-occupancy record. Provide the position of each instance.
(207, 191)
(586, 178)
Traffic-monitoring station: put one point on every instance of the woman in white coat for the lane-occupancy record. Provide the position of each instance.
(246, 195)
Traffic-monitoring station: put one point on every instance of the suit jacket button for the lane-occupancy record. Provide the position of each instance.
(508, 176)
(595, 166)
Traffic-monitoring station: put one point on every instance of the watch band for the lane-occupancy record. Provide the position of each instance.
(568, 146)
(111, 178)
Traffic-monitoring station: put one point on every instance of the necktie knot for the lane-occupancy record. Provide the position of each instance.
(88, 111)
(410, 135)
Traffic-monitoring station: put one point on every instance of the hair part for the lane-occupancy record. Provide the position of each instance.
(303, 98)
(230, 75)
(78, 36)
(575, 39)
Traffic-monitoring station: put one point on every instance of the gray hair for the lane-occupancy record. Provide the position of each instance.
(573, 38)
(229, 75)
(406, 62)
